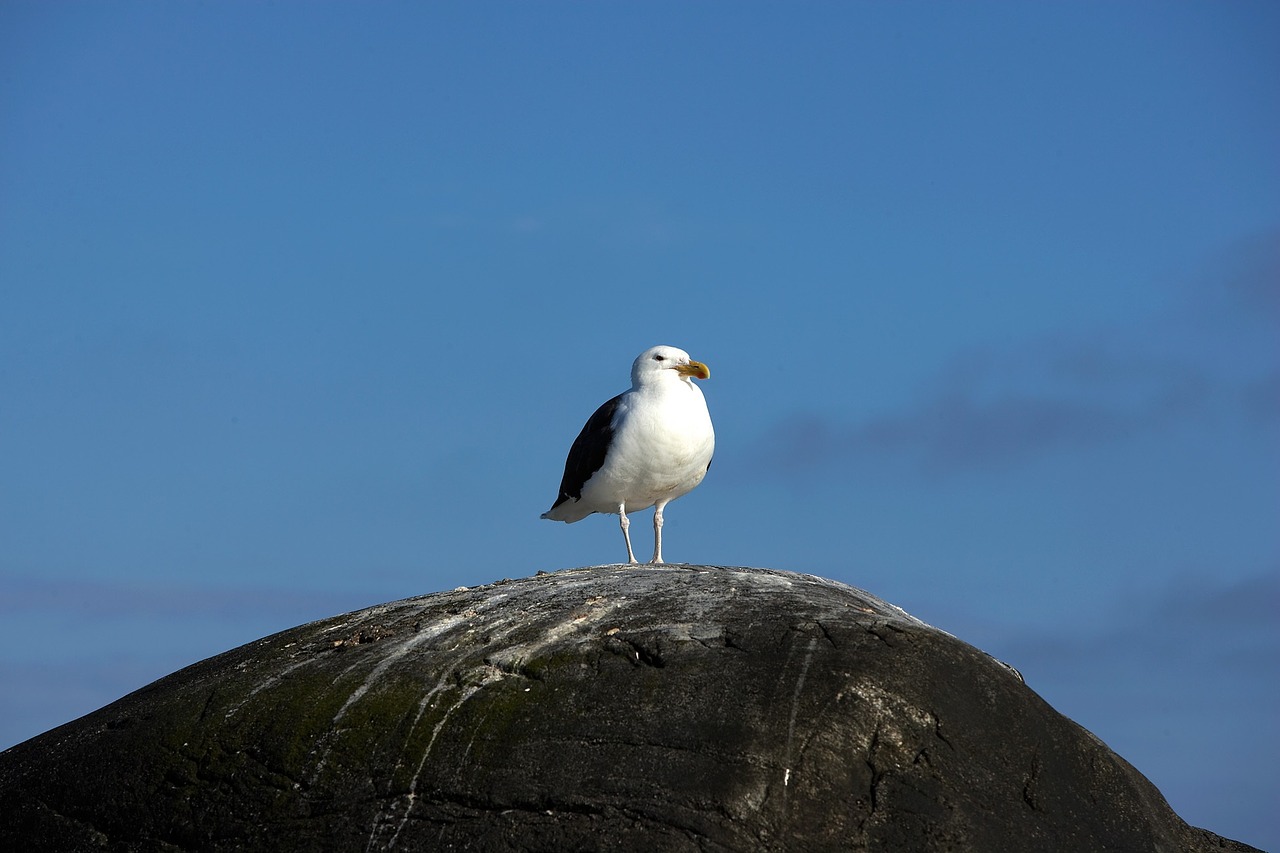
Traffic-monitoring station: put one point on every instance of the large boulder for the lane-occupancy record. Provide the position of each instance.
(608, 708)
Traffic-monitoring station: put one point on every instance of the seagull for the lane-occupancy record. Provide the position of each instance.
(644, 448)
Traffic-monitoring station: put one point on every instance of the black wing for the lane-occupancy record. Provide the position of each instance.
(588, 452)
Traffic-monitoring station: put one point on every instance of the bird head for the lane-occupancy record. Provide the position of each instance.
(653, 364)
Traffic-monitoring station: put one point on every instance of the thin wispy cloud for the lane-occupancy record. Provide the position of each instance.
(999, 407)
(1230, 622)
(982, 412)
(1250, 271)
(608, 221)
(95, 599)
(1262, 399)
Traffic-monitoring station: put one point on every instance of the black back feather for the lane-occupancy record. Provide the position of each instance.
(587, 453)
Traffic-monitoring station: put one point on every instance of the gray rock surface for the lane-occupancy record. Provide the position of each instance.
(689, 708)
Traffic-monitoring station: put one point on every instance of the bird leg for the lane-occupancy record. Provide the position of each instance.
(626, 522)
(657, 531)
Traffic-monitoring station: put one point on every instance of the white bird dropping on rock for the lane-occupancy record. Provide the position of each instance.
(644, 448)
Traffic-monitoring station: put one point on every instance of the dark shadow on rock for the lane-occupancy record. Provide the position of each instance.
(610, 708)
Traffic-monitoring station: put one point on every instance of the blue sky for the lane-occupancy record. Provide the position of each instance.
(302, 304)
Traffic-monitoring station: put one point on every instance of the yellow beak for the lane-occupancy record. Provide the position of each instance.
(696, 369)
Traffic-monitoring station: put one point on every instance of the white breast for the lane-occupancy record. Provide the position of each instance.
(662, 444)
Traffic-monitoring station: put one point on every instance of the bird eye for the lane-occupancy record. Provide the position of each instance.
(659, 358)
